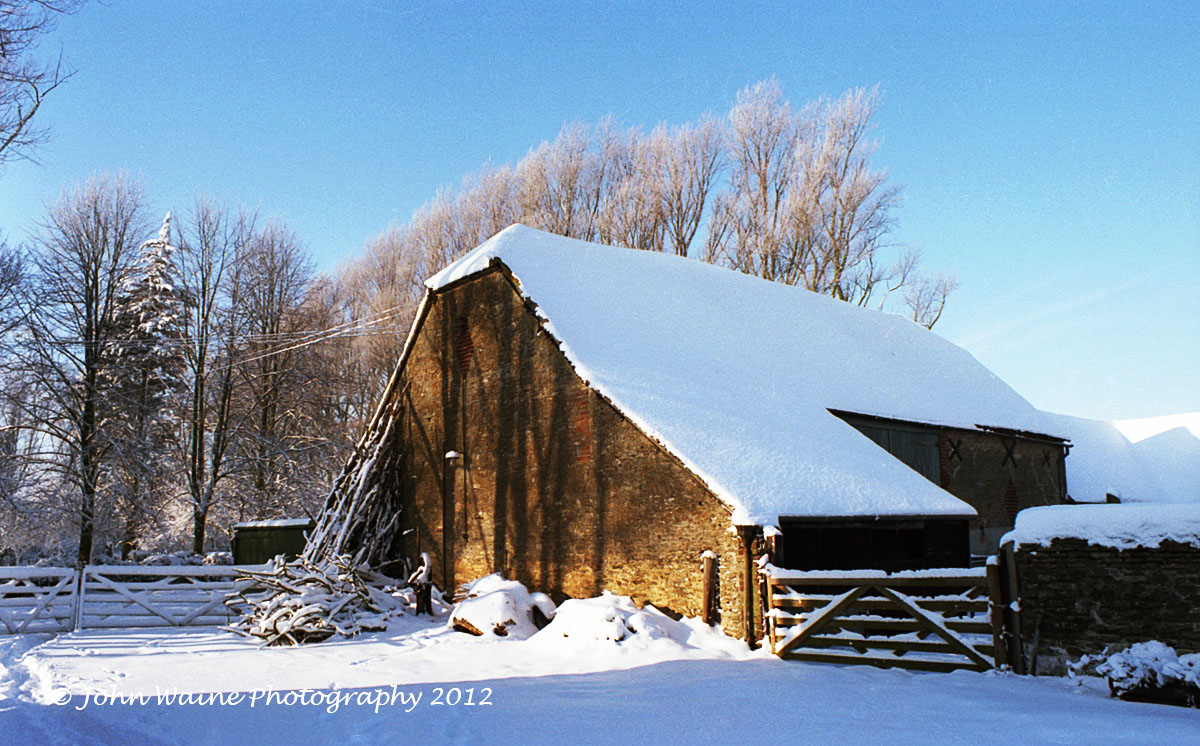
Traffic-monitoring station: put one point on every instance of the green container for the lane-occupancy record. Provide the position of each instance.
(256, 542)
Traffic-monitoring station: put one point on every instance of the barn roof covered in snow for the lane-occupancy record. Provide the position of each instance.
(1156, 459)
(736, 376)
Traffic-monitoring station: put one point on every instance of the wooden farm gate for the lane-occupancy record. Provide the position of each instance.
(172, 596)
(931, 620)
(57, 599)
(37, 599)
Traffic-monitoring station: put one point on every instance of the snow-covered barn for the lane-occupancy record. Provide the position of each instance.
(582, 417)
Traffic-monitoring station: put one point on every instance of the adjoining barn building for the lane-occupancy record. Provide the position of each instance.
(581, 417)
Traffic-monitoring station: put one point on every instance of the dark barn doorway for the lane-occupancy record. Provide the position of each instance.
(887, 544)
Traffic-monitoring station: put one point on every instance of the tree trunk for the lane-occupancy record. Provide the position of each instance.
(199, 518)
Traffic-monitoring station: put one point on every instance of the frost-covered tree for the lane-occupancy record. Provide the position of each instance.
(804, 206)
(751, 224)
(274, 366)
(144, 382)
(81, 261)
(688, 159)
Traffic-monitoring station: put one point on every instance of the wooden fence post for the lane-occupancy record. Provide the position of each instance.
(1012, 605)
(709, 567)
(80, 584)
(996, 611)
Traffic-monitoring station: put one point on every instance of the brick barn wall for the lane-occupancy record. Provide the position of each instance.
(977, 468)
(556, 488)
(1084, 598)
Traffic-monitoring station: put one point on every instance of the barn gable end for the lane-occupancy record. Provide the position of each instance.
(552, 485)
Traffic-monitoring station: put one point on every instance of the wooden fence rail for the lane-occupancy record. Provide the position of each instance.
(58, 599)
(932, 620)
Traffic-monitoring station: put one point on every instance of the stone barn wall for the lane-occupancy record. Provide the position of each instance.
(1082, 598)
(999, 475)
(555, 487)
(997, 472)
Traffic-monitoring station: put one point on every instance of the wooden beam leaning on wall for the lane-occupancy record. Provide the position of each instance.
(747, 535)
(710, 570)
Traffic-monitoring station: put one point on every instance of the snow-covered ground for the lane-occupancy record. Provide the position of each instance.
(419, 682)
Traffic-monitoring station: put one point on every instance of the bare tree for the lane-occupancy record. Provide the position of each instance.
(276, 277)
(214, 322)
(555, 189)
(381, 290)
(853, 202)
(24, 80)
(14, 389)
(789, 195)
(805, 207)
(82, 257)
(926, 298)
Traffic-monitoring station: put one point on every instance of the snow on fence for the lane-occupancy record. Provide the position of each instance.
(57, 599)
(37, 599)
(171, 596)
(932, 620)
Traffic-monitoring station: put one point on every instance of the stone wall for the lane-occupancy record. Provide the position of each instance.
(1081, 598)
(555, 487)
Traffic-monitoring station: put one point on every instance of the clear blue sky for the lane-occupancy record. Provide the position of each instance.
(1050, 153)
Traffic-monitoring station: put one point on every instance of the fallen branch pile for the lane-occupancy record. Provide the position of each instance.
(303, 601)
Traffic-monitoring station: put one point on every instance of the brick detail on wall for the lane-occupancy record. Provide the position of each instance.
(1011, 505)
(464, 347)
(1083, 599)
(581, 426)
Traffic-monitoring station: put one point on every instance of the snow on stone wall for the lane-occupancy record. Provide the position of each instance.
(1117, 526)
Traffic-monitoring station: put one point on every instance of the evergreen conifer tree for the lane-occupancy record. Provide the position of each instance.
(146, 379)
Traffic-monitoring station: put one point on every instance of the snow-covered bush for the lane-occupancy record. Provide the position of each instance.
(1186, 669)
(1141, 664)
(1152, 665)
(497, 607)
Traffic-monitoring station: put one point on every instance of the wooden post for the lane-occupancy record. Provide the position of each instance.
(747, 534)
(773, 546)
(996, 612)
(1012, 604)
(709, 566)
(80, 585)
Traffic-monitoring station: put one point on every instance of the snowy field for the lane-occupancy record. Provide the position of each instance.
(419, 682)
